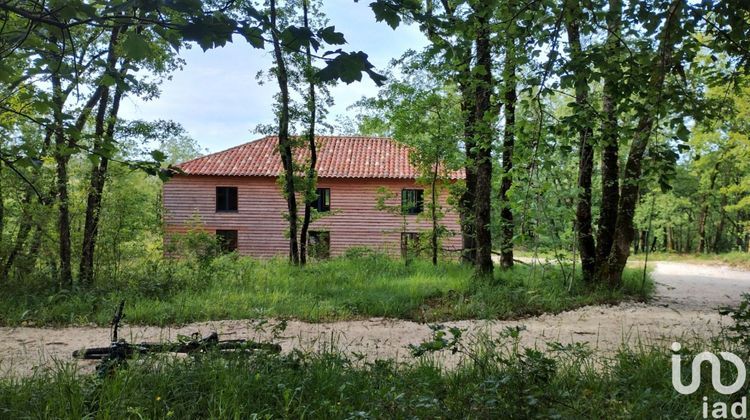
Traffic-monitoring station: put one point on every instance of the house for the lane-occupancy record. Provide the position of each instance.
(235, 194)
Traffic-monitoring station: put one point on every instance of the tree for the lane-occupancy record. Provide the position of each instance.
(290, 42)
(461, 36)
(427, 118)
(611, 270)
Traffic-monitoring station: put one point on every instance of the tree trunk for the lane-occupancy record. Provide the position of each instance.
(62, 152)
(610, 168)
(2, 214)
(720, 228)
(21, 237)
(506, 213)
(586, 245)
(704, 211)
(62, 156)
(612, 272)
(483, 139)
(468, 242)
(102, 135)
(637, 245)
(433, 213)
(670, 239)
(311, 179)
(285, 144)
(94, 200)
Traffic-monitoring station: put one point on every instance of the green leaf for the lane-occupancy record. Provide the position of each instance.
(107, 80)
(348, 67)
(210, 31)
(185, 6)
(253, 35)
(331, 37)
(135, 46)
(682, 132)
(158, 156)
(295, 37)
(386, 12)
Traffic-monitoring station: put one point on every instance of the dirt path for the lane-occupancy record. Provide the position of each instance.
(687, 296)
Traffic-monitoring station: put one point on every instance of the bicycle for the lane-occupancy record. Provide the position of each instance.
(120, 350)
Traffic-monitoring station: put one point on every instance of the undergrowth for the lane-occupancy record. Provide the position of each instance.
(165, 292)
(498, 379)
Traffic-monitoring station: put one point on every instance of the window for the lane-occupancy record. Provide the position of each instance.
(319, 244)
(324, 199)
(409, 244)
(412, 201)
(226, 198)
(227, 240)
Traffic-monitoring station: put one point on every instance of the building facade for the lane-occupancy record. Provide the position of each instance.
(235, 194)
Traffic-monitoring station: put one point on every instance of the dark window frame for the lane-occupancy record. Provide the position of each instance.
(228, 239)
(323, 203)
(227, 199)
(314, 242)
(412, 201)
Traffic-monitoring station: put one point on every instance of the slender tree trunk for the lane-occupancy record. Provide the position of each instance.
(21, 236)
(94, 200)
(702, 227)
(468, 239)
(285, 144)
(62, 156)
(630, 185)
(610, 167)
(506, 213)
(704, 210)
(433, 212)
(2, 214)
(311, 178)
(586, 245)
(102, 135)
(63, 148)
(483, 158)
(720, 227)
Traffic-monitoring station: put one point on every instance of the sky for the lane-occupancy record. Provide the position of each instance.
(217, 98)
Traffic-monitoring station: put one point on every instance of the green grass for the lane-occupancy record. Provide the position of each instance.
(499, 383)
(165, 292)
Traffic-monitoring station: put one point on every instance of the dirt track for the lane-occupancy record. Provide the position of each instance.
(687, 296)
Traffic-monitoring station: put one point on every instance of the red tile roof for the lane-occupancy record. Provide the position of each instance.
(338, 157)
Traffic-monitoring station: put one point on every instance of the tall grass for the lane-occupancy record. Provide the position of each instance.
(161, 292)
(500, 382)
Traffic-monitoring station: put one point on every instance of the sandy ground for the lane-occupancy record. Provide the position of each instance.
(687, 296)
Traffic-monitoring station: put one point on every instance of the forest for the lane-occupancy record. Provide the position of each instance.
(595, 130)
(591, 134)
